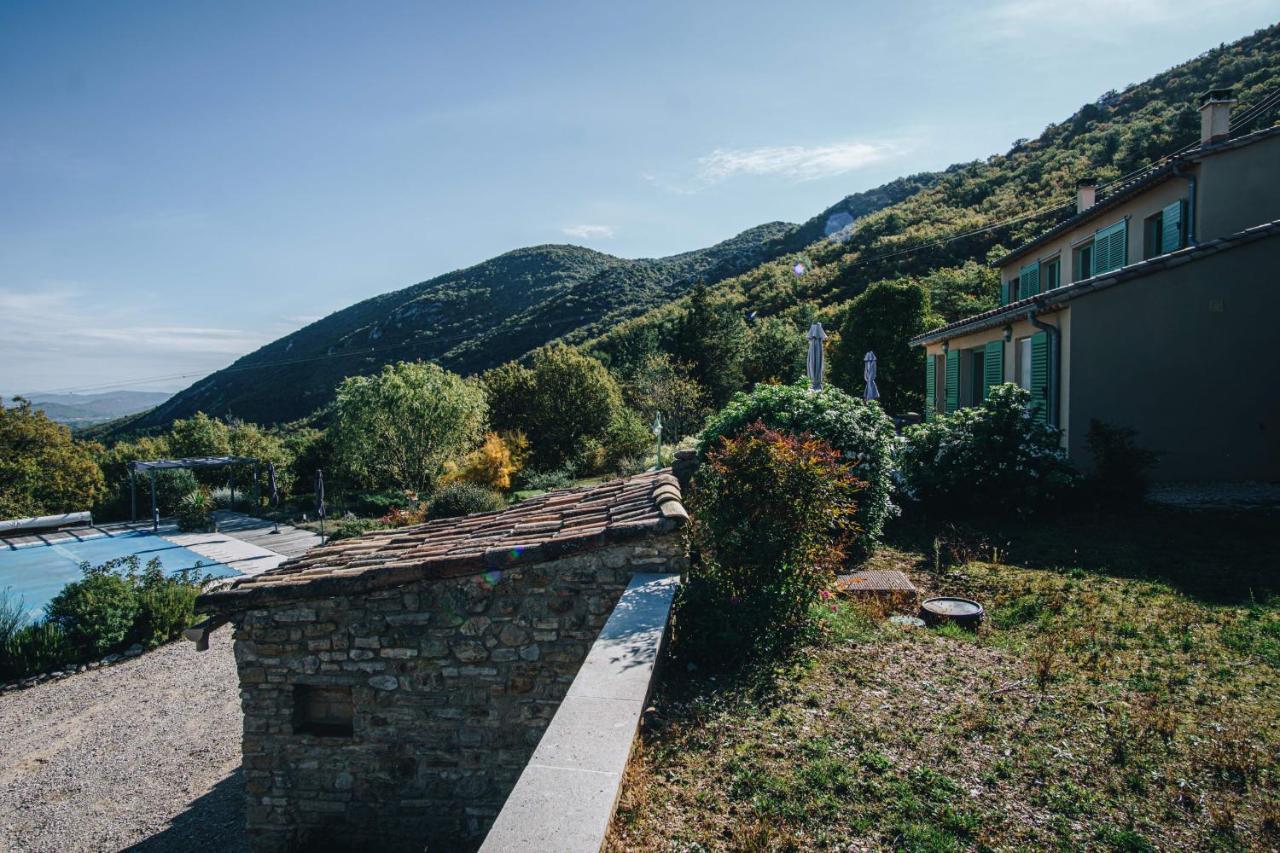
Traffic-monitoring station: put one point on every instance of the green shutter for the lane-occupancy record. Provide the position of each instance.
(930, 386)
(992, 367)
(1040, 375)
(1171, 230)
(953, 380)
(1006, 288)
(1029, 280)
(1110, 247)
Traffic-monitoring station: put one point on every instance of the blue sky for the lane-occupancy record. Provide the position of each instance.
(184, 182)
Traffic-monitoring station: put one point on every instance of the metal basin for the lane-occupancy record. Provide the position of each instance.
(962, 611)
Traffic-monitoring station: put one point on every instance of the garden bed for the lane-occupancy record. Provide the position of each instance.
(1123, 694)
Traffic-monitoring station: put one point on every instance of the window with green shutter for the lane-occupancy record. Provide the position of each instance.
(1082, 263)
(1039, 385)
(1172, 227)
(992, 367)
(1029, 280)
(1050, 274)
(930, 386)
(953, 380)
(1110, 247)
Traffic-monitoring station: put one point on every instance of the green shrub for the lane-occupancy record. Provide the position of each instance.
(350, 526)
(98, 611)
(557, 478)
(1120, 465)
(166, 604)
(463, 499)
(771, 516)
(195, 511)
(114, 605)
(861, 431)
(990, 459)
(380, 503)
(13, 614)
(33, 649)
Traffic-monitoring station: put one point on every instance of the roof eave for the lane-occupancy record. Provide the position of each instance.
(1055, 299)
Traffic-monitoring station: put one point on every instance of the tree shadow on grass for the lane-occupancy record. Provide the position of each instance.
(1216, 556)
(214, 821)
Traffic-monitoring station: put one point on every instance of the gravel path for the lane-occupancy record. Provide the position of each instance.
(143, 753)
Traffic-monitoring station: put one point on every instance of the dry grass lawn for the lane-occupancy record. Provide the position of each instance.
(1124, 694)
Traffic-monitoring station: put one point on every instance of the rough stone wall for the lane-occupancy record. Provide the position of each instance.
(452, 681)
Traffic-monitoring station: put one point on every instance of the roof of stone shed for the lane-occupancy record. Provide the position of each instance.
(545, 527)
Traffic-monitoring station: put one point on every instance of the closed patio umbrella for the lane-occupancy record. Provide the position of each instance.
(869, 374)
(275, 492)
(320, 501)
(816, 337)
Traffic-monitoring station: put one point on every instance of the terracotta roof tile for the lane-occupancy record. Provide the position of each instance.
(538, 529)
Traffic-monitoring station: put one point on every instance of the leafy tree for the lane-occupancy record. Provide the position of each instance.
(661, 384)
(775, 352)
(43, 470)
(508, 388)
(882, 320)
(573, 398)
(199, 435)
(398, 427)
(267, 446)
(712, 339)
(308, 449)
(962, 291)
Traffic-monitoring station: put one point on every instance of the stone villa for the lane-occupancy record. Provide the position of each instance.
(395, 685)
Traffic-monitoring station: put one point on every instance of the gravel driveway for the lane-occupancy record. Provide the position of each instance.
(145, 753)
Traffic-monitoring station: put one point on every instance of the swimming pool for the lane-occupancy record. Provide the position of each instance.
(36, 573)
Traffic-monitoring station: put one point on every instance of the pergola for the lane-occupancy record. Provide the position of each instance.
(154, 465)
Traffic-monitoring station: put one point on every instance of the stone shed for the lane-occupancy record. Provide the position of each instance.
(395, 685)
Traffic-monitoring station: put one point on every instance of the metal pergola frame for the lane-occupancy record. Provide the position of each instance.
(153, 465)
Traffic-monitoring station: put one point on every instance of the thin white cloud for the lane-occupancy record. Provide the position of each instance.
(1012, 19)
(588, 232)
(796, 162)
(60, 336)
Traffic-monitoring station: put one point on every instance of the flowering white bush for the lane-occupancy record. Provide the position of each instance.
(997, 457)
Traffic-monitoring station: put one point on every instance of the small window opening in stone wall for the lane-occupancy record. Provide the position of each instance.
(324, 711)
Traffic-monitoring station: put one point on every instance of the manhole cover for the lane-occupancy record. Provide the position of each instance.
(962, 611)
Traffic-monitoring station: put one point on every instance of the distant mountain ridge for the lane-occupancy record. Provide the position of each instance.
(468, 320)
(87, 409)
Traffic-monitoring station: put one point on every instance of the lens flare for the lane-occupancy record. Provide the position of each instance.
(799, 269)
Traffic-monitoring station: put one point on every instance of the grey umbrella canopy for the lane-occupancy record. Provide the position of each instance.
(815, 364)
(869, 374)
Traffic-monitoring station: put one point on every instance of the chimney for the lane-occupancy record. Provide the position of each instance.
(1215, 116)
(1086, 194)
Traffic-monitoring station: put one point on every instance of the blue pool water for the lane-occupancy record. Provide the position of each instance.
(36, 573)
